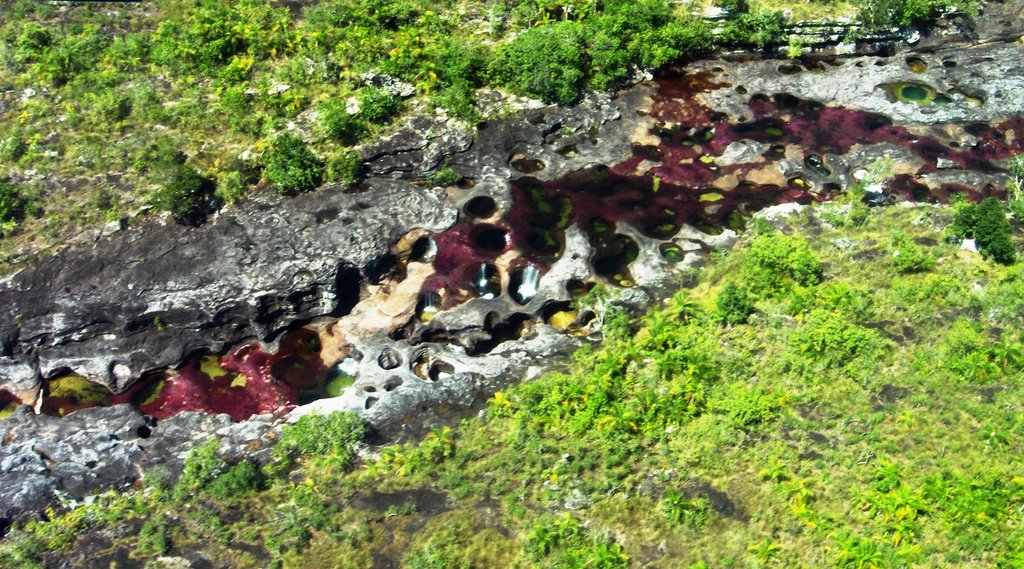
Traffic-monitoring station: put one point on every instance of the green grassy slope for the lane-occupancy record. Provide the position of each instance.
(867, 413)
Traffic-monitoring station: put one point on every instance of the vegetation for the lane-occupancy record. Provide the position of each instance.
(987, 224)
(185, 193)
(12, 206)
(865, 413)
(214, 81)
(291, 167)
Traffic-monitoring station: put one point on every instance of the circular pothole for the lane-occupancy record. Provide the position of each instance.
(481, 207)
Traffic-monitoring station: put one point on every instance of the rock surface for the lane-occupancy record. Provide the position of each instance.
(46, 460)
(148, 296)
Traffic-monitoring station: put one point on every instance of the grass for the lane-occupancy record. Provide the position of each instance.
(868, 418)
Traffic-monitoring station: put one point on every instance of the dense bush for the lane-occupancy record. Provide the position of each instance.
(881, 14)
(330, 439)
(643, 34)
(830, 336)
(734, 305)
(345, 168)
(549, 62)
(339, 124)
(202, 466)
(759, 29)
(12, 203)
(291, 167)
(208, 34)
(986, 223)
(185, 193)
(378, 105)
(908, 257)
(238, 480)
(776, 262)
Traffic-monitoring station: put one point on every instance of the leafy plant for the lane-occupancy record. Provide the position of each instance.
(12, 203)
(154, 538)
(240, 479)
(291, 167)
(185, 193)
(986, 223)
(339, 124)
(734, 305)
(378, 105)
(908, 257)
(776, 262)
(445, 177)
(345, 168)
(548, 62)
(202, 466)
(329, 439)
(686, 511)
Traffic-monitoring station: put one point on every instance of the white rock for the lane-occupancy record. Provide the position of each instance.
(278, 89)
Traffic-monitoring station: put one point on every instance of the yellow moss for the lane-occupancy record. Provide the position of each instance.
(80, 390)
(562, 319)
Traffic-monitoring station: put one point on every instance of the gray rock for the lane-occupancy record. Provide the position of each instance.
(145, 297)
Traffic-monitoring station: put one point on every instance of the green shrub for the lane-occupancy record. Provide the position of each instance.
(238, 106)
(12, 148)
(338, 124)
(734, 305)
(564, 542)
(685, 511)
(208, 34)
(776, 262)
(830, 336)
(345, 168)
(33, 41)
(240, 479)
(331, 439)
(461, 68)
(986, 223)
(231, 187)
(881, 14)
(908, 257)
(111, 106)
(759, 29)
(733, 7)
(548, 62)
(445, 177)
(154, 537)
(185, 193)
(747, 406)
(202, 466)
(291, 167)
(12, 203)
(641, 34)
(378, 105)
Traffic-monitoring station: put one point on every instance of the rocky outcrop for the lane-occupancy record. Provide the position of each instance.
(146, 297)
(46, 460)
(415, 295)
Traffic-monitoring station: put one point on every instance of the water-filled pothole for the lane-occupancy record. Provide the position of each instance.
(481, 207)
(487, 282)
(490, 238)
(916, 64)
(514, 327)
(523, 283)
(527, 165)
